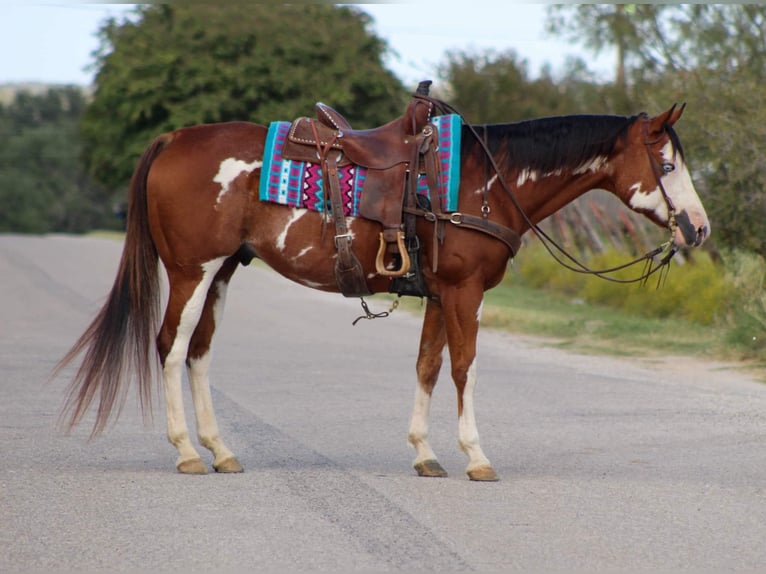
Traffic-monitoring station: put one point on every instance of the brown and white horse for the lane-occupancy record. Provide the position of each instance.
(194, 205)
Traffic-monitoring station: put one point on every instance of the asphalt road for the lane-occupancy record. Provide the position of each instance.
(605, 463)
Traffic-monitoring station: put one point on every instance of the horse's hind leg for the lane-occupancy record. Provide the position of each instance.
(198, 363)
(188, 292)
(432, 340)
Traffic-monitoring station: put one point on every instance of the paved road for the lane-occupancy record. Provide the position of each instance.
(605, 463)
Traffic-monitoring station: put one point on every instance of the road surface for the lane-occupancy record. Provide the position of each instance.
(605, 463)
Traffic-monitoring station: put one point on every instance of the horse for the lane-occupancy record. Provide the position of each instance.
(194, 206)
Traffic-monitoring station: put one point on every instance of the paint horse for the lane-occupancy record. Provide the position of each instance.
(194, 205)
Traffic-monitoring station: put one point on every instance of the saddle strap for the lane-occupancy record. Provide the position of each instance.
(500, 232)
(433, 177)
(349, 273)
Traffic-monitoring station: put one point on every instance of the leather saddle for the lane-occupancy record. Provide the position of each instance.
(394, 155)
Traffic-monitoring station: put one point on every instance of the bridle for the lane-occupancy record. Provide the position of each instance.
(667, 250)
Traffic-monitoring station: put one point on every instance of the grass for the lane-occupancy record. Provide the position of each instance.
(587, 327)
(575, 324)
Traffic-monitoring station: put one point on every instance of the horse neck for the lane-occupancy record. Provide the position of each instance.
(542, 195)
(548, 162)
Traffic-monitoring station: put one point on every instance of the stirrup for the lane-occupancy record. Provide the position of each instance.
(380, 267)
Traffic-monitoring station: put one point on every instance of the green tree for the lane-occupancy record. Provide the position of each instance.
(174, 65)
(491, 87)
(43, 186)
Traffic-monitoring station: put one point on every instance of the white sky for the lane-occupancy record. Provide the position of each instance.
(53, 42)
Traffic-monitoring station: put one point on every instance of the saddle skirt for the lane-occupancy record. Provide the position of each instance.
(300, 184)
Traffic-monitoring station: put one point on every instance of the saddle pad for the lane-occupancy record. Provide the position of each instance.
(300, 184)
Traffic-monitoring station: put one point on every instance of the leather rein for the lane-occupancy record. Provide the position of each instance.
(512, 239)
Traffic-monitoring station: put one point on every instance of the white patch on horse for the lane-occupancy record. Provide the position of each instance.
(594, 165)
(489, 185)
(302, 253)
(294, 216)
(680, 189)
(229, 170)
(678, 183)
(651, 200)
(312, 284)
(478, 313)
(178, 433)
(526, 175)
(192, 311)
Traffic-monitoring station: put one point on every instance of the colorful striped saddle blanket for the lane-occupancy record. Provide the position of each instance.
(300, 184)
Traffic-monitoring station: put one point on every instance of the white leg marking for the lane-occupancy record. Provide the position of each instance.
(467, 432)
(294, 216)
(199, 381)
(229, 170)
(418, 433)
(178, 432)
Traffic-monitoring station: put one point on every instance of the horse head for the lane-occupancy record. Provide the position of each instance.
(655, 180)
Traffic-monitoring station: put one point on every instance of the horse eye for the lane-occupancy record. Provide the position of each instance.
(668, 167)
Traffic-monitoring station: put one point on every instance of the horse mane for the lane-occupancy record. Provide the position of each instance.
(553, 143)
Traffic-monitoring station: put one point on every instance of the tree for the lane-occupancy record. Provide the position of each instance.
(598, 26)
(43, 187)
(489, 87)
(174, 65)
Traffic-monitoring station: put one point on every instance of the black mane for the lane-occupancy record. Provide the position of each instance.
(549, 144)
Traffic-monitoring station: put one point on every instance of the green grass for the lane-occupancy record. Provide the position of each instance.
(577, 324)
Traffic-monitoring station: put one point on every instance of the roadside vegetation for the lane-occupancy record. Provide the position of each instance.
(700, 308)
(710, 311)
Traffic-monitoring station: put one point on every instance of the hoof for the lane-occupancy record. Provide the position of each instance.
(430, 468)
(193, 466)
(228, 465)
(483, 474)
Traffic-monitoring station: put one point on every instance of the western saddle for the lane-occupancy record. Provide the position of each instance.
(388, 152)
(395, 156)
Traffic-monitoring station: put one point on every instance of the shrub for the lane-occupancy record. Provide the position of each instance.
(694, 290)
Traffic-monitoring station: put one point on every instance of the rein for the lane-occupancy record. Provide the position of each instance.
(667, 249)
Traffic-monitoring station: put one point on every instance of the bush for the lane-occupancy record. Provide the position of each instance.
(746, 312)
(694, 290)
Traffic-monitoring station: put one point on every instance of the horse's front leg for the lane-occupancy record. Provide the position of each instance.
(462, 312)
(198, 363)
(432, 341)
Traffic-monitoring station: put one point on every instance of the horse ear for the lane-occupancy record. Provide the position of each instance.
(675, 114)
(668, 118)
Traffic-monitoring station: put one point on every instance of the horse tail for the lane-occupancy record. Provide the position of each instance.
(118, 343)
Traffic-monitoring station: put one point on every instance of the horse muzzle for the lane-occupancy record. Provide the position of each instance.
(691, 230)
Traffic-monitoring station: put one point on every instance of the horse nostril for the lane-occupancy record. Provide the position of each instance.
(701, 234)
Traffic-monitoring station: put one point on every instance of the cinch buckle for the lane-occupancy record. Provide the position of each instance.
(343, 236)
(456, 218)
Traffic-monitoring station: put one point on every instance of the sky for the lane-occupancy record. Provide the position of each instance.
(54, 42)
